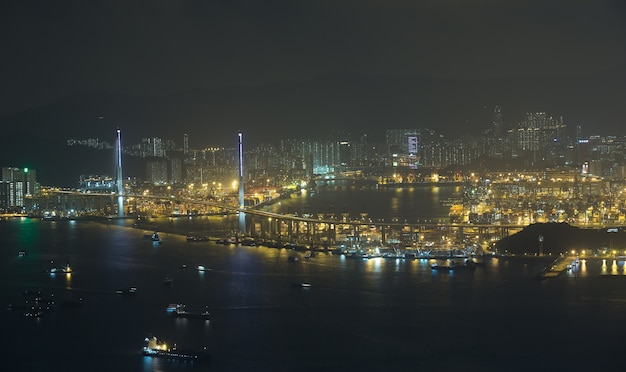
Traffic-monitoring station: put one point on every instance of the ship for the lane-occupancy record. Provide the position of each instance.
(469, 264)
(153, 236)
(197, 238)
(180, 311)
(450, 267)
(156, 348)
(56, 270)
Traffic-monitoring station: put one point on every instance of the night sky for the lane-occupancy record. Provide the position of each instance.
(54, 48)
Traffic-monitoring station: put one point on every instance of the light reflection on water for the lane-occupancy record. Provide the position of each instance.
(397, 308)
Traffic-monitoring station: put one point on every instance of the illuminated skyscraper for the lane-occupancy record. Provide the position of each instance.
(15, 185)
(403, 147)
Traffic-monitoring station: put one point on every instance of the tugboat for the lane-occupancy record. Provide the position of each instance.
(155, 348)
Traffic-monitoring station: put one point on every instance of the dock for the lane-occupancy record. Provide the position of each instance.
(558, 267)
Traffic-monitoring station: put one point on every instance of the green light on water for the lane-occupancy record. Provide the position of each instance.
(25, 170)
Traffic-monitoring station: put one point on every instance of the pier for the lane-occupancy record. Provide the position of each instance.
(558, 267)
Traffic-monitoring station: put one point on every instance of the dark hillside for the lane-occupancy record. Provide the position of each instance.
(561, 238)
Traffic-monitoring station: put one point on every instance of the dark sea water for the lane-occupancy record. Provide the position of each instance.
(358, 315)
(420, 202)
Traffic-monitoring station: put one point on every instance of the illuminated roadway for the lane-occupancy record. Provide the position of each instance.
(256, 212)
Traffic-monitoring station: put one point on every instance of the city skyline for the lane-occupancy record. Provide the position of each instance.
(539, 141)
(322, 70)
(313, 184)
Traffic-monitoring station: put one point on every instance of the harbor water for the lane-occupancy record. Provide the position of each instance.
(358, 314)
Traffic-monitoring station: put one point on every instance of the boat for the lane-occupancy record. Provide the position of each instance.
(129, 291)
(21, 253)
(156, 348)
(180, 311)
(67, 269)
(226, 241)
(469, 264)
(196, 238)
(450, 267)
(155, 237)
(168, 282)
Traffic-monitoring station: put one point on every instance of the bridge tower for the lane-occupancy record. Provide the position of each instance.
(120, 182)
(242, 216)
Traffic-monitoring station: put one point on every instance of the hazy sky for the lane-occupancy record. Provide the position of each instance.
(53, 48)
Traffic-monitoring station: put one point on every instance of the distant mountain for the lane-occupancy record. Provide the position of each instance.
(331, 106)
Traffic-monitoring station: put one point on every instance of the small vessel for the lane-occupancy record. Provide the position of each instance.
(156, 348)
(168, 282)
(196, 238)
(21, 253)
(155, 237)
(129, 291)
(450, 267)
(180, 311)
(226, 241)
(67, 269)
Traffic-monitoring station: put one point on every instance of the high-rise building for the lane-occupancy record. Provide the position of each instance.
(153, 147)
(497, 121)
(403, 141)
(176, 170)
(156, 171)
(539, 130)
(15, 185)
(403, 147)
(324, 156)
